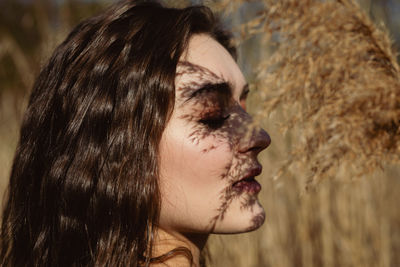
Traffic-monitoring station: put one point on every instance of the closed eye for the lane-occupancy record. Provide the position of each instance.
(214, 123)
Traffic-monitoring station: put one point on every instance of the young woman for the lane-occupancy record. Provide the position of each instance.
(135, 146)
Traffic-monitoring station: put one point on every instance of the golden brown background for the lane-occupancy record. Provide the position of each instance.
(345, 221)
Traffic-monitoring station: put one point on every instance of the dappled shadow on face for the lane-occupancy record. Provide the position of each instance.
(213, 114)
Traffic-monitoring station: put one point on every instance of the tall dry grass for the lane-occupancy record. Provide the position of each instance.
(340, 224)
(337, 78)
(329, 97)
(328, 84)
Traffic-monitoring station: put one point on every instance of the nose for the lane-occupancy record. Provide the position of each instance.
(256, 141)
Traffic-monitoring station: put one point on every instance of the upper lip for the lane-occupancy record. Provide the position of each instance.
(252, 172)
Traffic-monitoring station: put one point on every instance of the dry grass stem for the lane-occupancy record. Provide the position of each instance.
(336, 77)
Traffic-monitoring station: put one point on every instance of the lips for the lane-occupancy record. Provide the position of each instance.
(248, 183)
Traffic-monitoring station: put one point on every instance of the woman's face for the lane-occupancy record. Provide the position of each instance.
(208, 151)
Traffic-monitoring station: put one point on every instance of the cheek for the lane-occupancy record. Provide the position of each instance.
(191, 161)
(191, 173)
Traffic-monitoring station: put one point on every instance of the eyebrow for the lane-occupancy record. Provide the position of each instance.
(223, 88)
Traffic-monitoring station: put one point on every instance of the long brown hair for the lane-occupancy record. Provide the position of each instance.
(83, 189)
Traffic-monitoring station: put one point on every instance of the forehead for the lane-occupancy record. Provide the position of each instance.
(205, 52)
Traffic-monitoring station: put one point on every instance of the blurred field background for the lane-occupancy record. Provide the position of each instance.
(346, 214)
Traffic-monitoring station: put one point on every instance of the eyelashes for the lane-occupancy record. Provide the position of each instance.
(214, 122)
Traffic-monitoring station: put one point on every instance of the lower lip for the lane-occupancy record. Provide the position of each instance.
(248, 185)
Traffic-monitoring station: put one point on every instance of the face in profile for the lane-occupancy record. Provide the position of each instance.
(208, 151)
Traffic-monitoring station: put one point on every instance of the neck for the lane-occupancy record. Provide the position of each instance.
(185, 246)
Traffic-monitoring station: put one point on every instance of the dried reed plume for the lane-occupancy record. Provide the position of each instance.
(336, 79)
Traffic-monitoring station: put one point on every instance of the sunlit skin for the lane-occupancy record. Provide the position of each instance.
(209, 144)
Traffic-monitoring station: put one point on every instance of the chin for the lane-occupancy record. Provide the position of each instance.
(240, 219)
